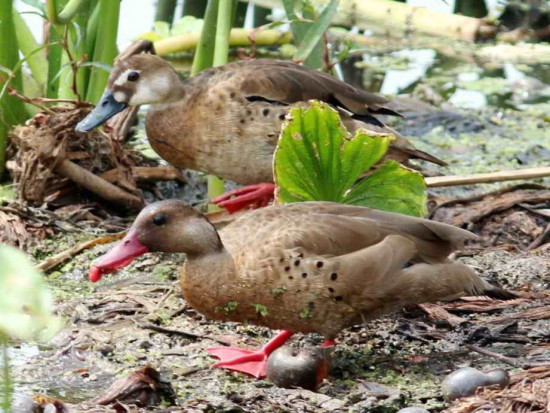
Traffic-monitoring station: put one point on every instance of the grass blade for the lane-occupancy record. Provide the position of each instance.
(12, 110)
(105, 46)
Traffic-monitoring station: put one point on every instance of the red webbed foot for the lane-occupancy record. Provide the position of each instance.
(255, 196)
(248, 361)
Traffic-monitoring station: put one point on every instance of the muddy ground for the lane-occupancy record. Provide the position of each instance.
(138, 317)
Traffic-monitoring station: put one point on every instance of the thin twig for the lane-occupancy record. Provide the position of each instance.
(510, 175)
(508, 360)
(186, 334)
(55, 260)
(15, 93)
(74, 65)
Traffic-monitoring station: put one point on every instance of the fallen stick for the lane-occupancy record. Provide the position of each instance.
(508, 360)
(439, 313)
(53, 261)
(452, 180)
(148, 173)
(97, 185)
(186, 334)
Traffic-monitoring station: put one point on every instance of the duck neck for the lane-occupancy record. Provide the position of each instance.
(209, 280)
(177, 92)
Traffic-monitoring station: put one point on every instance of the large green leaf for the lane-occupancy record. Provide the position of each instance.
(25, 303)
(317, 160)
(391, 187)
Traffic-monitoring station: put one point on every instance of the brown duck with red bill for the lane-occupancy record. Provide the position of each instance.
(302, 268)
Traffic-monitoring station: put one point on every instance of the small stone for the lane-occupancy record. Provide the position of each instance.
(464, 382)
(413, 410)
(289, 368)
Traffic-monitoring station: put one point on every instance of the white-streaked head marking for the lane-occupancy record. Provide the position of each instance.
(120, 96)
(154, 89)
(123, 77)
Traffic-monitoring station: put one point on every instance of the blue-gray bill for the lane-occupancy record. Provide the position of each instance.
(104, 110)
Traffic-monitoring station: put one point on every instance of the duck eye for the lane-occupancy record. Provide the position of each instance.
(133, 76)
(159, 219)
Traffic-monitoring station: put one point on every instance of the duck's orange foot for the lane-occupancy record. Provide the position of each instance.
(255, 196)
(244, 361)
(248, 361)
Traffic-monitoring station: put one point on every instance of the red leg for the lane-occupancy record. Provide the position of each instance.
(324, 367)
(256, 196)
(247, 361)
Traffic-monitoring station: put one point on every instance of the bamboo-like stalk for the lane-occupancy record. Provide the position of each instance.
(221, 49)
(204, 55)
(68, 12)
(205, 48)
(105, 49)
(55, 52)
(89, 47)
(237, 37)
(28, 45)
(165, 10)
(12, 110)
(398, 18)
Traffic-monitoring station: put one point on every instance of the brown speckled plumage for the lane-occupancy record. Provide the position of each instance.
(310, 267)
(226, 121)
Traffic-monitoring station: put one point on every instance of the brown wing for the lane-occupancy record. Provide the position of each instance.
(330, 229)
(287, 83)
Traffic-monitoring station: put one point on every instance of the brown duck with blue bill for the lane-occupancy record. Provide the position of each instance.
(303, 268)
(226, 121)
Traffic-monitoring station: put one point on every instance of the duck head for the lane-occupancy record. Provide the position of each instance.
(138, 80)
(165, 226)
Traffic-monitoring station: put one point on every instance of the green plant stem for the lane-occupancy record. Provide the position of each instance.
(12, 110)
(55, 53)
(165, 11)
(105, 49)
(84, 73)
(221, 49)
(27, 43)
(204, 56)
(67, 14)
(205, 49)
(6, 375)
(225, 12)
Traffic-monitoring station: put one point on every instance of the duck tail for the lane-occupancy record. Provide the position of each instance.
(446, 281)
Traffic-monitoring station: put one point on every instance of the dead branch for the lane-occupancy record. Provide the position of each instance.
(53, 261)
(481, 305)
(186, 334)
(97, 185)
(452, 180)
(148, 173)
(538, 313)
(439, 313)
(508, 360)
